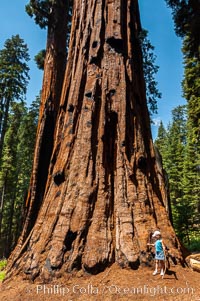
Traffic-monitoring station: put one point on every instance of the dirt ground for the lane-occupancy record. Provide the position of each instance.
(112, 284)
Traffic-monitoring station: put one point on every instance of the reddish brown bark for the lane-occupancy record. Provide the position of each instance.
(103, 195)
(54, 69)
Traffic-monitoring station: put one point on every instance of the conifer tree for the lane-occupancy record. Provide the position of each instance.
(171, 144)
(14, 76)
(9, 176)
(150, 69)
(24, 161)
(161, 141)
(191, 187)
(186, 15)
(17, 157)
(191, 89)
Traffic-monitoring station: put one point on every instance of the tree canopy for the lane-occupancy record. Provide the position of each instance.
(14, 77)
(186, 15)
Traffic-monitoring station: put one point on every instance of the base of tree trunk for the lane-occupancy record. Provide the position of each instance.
(105, 193)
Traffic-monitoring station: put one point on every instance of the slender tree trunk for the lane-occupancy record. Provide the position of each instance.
(2, 206)
(4, 122)
(2, 106)
(2, 195)
(1, 113)
(103, 196)
(9, 235)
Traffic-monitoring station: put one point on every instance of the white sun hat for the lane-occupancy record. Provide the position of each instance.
(156, 233)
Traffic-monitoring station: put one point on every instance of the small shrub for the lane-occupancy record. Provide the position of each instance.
(3, 263)
(194, 245)
(2, 275)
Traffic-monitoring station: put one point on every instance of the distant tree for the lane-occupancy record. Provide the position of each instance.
(191, 90)
(175, 169)
(172, 145)
(162, 139)
(9, 176)
(17, 157)
(191, 186)
(150, 70)
(14, 76)
(186, 15)
(161, 149)
(24, 162)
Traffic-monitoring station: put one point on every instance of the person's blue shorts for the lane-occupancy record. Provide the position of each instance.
(160, 256)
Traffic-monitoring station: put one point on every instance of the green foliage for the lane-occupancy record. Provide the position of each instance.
(39, 59)
(150, 70)
(2, 275)
(14, 71)
(180, 160)
(161, 140)
(40, 10)
(173, 163)
(9, 174)
(186, 15)
(16, 164)
(14, 76)
(184, 167)
(3, 264)
(191, 179)
(191, 90)
(194, 244)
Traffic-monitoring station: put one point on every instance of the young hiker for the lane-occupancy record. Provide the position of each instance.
(159, 253)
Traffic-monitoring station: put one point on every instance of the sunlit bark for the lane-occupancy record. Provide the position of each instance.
(103, 195)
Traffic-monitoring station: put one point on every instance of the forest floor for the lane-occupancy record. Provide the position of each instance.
(112, 284)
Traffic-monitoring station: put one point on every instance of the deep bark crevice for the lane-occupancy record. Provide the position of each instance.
(43, 165)
(116, 44)
(70, 237)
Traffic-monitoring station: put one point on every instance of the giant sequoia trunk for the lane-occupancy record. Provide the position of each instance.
(103, 194)
(54, 70)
